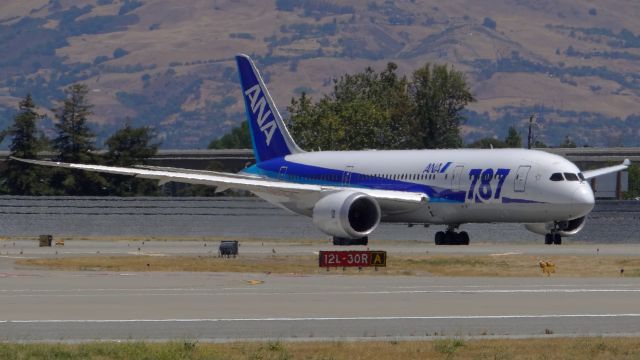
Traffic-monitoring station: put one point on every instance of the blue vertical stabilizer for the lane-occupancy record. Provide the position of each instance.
(269, 135)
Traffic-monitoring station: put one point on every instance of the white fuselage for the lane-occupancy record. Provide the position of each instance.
(464, 186)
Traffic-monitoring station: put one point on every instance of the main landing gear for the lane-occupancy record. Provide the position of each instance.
(339, 241)
(553, 239)
(451, 237)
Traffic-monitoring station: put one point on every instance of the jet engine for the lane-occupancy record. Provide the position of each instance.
(564, 228)
(347, 214)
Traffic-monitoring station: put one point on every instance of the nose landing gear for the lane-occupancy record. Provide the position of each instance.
(451, 237)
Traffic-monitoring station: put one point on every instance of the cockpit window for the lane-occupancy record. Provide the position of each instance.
(571, 176)
(581, 176)
(556, 177)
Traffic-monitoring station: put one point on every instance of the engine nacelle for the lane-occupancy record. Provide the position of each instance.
(347, 214)
(564, 228)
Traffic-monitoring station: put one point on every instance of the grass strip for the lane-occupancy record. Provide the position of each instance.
(423, 264)
(448, 348)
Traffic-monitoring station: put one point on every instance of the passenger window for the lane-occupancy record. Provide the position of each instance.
(556, 177)
(571, 176)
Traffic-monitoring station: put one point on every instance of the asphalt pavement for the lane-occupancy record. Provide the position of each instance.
(77, 306)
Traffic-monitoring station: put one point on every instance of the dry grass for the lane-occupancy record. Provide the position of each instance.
(435, 265)
(552, 348)
(194, 30)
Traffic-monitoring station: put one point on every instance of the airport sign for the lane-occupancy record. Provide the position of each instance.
(352, 258)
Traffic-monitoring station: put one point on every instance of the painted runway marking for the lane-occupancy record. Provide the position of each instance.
(7, 293)
(366, 318)
(512, 286)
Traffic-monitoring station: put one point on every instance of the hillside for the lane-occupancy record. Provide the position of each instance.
(169, 63)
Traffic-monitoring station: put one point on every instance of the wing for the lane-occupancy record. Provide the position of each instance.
(390, 201)
(607, 170)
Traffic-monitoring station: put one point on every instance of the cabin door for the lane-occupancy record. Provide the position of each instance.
(283, 172)
(346, 176)
(456, 178)
(521, 178)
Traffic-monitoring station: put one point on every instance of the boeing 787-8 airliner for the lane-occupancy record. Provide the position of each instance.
(348, 193)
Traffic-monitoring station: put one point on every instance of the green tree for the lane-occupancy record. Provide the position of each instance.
(365, 110)
(539, 144)
(439, 94)
(380, 110)
(126, 147)
(513, 139)
(238, 138)
(488, 143)
(634, 182)
(74, 143)
(75, 140)
(130, 146)
(568, 143)
(316, 126)
(21, 178)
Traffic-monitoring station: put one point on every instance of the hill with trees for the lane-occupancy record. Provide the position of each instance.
(169, 64)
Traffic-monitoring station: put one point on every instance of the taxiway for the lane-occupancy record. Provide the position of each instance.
(78, 306)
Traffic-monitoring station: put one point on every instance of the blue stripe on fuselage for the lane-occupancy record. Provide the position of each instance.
(506, 200)
(308, 174)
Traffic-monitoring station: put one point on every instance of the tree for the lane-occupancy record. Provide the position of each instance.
(488, 143)
(238, 138)
(75, 144)
(381, 110)
(21, 178)
(568, 143)
(126, 147)
(365, 110)
(634, 182)
(439, 94)
(513, 139)
(75, 140)
(539, 144)
(130, 146)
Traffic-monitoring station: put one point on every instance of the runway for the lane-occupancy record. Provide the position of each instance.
(79, 306)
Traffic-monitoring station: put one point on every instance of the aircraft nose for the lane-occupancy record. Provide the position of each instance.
(583, 200)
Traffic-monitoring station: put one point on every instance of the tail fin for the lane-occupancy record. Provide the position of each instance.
(269, 135)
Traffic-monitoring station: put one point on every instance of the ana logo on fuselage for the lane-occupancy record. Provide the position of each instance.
(258, 107)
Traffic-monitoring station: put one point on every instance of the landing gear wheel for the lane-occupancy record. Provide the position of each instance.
(339, 241)
(450, 238)
(464, 238)
(557, 239)
(548, 239)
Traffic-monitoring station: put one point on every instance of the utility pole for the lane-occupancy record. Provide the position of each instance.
(530, 135)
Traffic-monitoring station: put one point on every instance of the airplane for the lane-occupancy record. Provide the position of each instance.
(347, 194)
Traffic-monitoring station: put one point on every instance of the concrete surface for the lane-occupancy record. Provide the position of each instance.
(78, 306)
